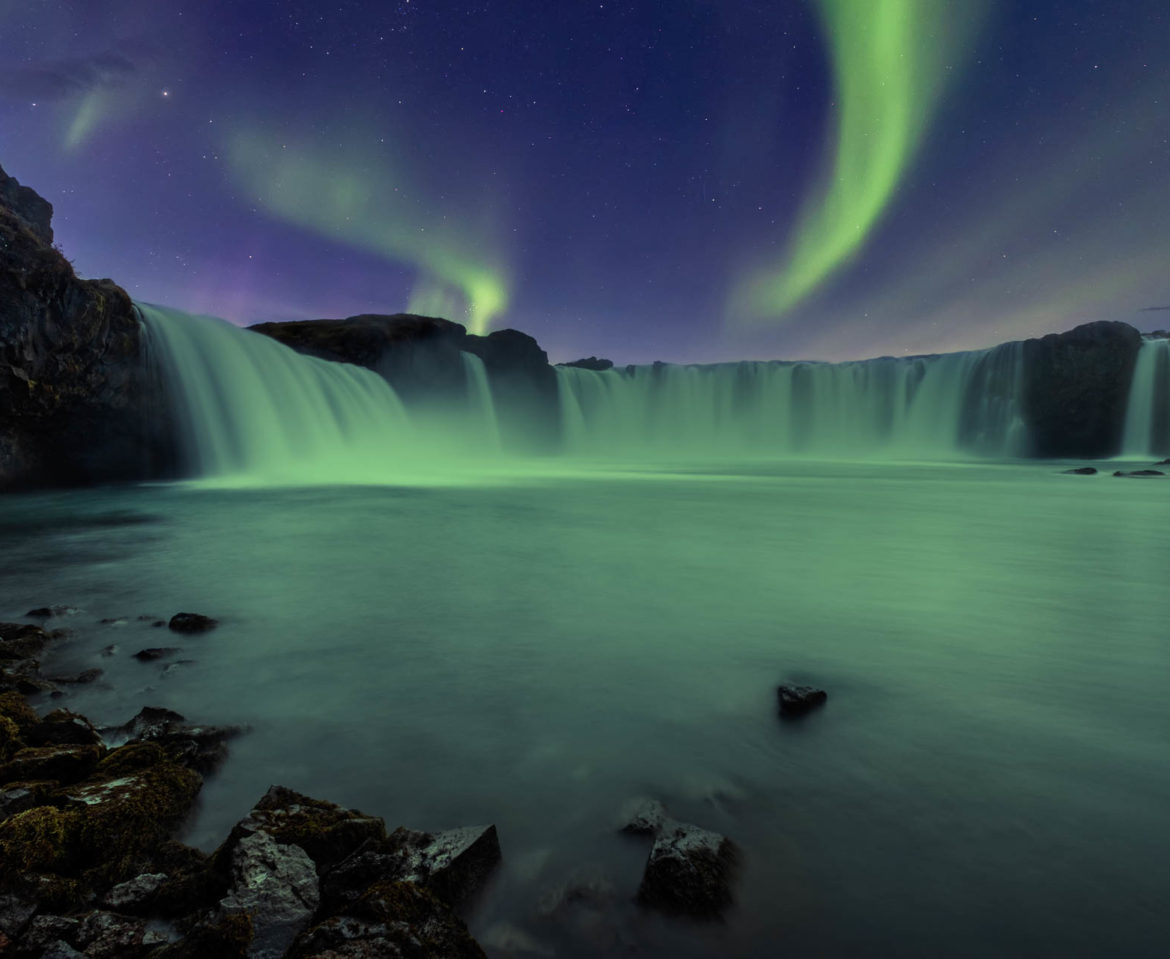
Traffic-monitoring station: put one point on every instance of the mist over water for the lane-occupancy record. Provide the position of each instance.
(419, 625)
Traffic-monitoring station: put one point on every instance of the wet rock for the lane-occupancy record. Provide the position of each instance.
(326, 831)
(219, 936)
(643, 816)
(1081, 471)
(131, 895)
(153, 653)
(47, 929)
(15, 914)
(453, 864)
(202, 748)
(1139, 473)
(78, 679)
(117, 621)
(106, 935)
(689, 872)
(798, 700)
(64, 764)
(192, 623)
(392, 919)
(50, 612)
(63, 728)
(275, 885)
(21, 640)
(17, 797)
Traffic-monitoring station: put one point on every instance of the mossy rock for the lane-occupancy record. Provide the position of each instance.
(10, 739)
(42, 839)
(63, 728)
(324, 830)
(13, 706)
(65, 764)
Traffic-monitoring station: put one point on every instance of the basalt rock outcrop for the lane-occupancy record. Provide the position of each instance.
(1076, 388)
(422, 358)
(77, 402)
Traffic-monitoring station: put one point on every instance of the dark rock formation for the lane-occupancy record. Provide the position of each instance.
(1076, 386)
(594, 363)
(798, 700)
(202, 748)
(420, 356)
(153, 653)
(1081, 471)
(192, 623)
(1138, 473)
(77, 403)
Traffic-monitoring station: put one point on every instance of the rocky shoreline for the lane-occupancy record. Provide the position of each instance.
(90, 864)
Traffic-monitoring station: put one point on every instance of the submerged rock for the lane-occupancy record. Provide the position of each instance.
(152, 653)
(1081, 471)
(798, 700)
(690, 871)
(78, 679)
(192, 623)
(1138, 473)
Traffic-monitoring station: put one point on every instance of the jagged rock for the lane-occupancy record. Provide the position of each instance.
(63, 728)
(202, 748)
(63, 764)
(453, 864)
(77, 404)
(105, 935)
(799, 700)
(643, 816)
(690, 871)
(392, 919)
(152, 653)
(1081, 471)
(590, 363)
(276, 886)
(192, 623)
(130, 895)
(15, 914)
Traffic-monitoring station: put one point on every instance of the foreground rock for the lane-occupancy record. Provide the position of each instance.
(796, 701)
(690, 870)
(77, 403)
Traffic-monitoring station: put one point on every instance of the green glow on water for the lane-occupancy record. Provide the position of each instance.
(891, 62)
(370, 201)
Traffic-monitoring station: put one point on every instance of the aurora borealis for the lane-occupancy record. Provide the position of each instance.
(693, 181)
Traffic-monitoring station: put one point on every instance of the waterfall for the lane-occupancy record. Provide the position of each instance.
(915, 407)
(481, 407)
(1147, 417)
(249, 407)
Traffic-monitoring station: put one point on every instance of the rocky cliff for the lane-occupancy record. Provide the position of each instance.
(77, 402)
(421, 357)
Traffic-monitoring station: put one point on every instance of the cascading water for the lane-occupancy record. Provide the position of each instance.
(921, 406)
(481, 406)
(249, 407)
(1147, 418)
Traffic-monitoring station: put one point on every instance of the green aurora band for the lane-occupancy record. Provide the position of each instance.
(891, 61)
(355, 199)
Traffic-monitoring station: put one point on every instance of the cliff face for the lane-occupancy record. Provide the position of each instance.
(1076, 387)
(421, 357)
(77, 404)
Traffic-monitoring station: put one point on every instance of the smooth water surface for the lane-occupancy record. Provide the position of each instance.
(991, 775)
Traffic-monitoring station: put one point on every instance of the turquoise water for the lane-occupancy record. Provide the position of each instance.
(990, 777)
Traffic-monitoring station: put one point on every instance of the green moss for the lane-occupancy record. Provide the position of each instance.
(129, 759)
(38, 840)
(14, 707)
(10, 740)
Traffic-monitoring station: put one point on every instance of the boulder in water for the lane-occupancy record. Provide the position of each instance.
(1138, 473)
(797, 701)
(192, 623)
(690, 871)
(1081, 471)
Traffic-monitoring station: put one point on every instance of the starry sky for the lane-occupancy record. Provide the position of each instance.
(694, 180)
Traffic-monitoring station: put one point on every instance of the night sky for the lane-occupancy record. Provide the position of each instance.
(691, 180)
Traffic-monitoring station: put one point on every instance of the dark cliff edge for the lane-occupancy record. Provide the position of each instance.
(78, 403)
(421, 357)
